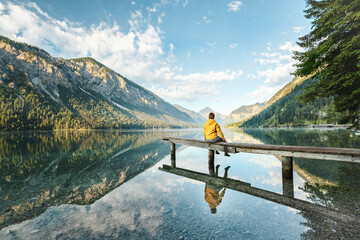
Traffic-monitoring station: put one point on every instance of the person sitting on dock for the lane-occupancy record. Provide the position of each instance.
(211, 131)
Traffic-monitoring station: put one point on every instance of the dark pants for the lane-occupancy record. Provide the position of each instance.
(215, 140)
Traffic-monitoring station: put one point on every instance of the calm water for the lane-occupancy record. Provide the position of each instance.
(108, 185)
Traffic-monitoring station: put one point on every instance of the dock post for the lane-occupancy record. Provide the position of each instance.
(173, 159)
(287, 167)
(211, 159)
(288, 187)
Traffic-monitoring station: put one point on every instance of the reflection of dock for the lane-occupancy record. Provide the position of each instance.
(286, 199)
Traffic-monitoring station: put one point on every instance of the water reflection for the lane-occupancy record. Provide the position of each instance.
(319, 217)
(158, 205)
(42, 169)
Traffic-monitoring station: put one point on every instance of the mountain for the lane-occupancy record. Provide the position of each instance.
(286, 90)
(218, 116)
(39, 91)
(289, 111)
(198, 118)
(244, 112)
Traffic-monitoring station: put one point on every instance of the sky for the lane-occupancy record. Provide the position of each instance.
(220, 54)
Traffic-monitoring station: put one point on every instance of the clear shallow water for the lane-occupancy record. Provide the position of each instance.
(107, 185)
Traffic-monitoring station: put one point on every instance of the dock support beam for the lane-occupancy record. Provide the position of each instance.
(211, 159)
(288, 187)
(173, 159)
(287, 167)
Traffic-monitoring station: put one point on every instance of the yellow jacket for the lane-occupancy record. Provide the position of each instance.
(212, 197)
(212, 129)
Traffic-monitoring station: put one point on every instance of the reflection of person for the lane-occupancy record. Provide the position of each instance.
(212, 191)
(211, 131)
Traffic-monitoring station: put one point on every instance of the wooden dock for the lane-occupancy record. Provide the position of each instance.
(286, 152)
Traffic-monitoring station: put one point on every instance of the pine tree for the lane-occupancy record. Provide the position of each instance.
(332, 51)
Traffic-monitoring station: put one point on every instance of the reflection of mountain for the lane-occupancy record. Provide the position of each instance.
(343, 196)
(241, 137)
(39, 170)
(321, 138)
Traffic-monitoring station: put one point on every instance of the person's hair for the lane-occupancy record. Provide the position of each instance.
(213, 210)
(211, 115)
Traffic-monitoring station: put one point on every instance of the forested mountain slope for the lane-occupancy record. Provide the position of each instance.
(289, 111)
(38, 91)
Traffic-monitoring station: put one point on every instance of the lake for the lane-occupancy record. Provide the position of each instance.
(107, 184)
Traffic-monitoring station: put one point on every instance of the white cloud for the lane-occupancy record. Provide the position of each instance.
(266, 61)
(211, 44)
(171, 57)
(206, 19)
(280, 66)
(274, 57)
(278, 75)
(298, 29)
(233, 45)
(264, 93)
(160, 17)
(139, 53)
(290, 47)
(153, 9)
(133, 3)
(234, 6)
(189, 87)
(251, 76)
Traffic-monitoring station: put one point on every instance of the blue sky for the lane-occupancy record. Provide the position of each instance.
(220, 54)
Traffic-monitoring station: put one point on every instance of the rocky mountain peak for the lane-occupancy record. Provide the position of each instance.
(61, 79)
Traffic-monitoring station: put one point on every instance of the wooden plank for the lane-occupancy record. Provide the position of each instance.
(202, 176)
(325, 153)
(257, 192)
(336, 157)
(203, 144)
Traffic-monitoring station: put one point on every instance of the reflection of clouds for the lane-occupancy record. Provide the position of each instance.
(272, 168)
(274, 180)
(155, 201)
(299, 182)
(266, 161)
(132, 207)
